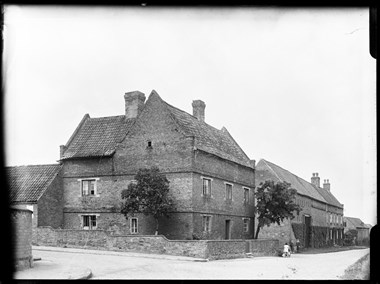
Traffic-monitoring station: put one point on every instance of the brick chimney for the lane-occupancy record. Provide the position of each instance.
(134, 103)
(62, 149)
(326, 184)
(315, 179)
(199, 109)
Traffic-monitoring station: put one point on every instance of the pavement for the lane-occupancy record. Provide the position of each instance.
(48, 269)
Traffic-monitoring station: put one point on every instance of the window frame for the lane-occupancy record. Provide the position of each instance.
(246, 226)
(246, 201)
(134, 229)
(209, 193)
(91, 219)
(206, 229)
(95, 180)
(228, 193)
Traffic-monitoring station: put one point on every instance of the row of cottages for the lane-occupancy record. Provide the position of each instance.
(320, 222)
(360, 229)
(211, 179)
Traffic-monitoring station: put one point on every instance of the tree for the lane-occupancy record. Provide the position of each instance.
(274, 203)
(148, 195)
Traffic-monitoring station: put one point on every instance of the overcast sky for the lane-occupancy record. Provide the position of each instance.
(293, 86)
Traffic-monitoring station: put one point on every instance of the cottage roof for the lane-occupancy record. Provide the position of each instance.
(354, 222)
(97, 137)
(328, 196)
(28, 183)
(208, 138)
(266, 170)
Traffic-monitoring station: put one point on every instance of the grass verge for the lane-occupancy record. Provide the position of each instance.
(359, 270)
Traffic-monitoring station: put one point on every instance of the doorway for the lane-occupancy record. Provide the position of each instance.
(228, 229)
(307, 231)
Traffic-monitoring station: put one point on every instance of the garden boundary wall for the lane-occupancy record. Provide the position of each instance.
(105, 240)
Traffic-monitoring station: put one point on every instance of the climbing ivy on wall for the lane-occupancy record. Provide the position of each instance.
(299, 232)
(320, 235)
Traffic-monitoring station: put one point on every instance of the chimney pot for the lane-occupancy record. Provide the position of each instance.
(199, 109)
(134, 103)
(326, 185)
(315, 179)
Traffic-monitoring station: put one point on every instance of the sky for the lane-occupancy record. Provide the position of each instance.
(294, 86)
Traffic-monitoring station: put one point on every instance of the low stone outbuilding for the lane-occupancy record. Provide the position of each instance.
(37, 188)
(358, 226)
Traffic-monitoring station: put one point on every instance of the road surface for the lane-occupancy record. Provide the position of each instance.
(127, 266)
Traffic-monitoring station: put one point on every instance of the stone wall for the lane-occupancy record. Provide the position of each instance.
(22, 238)
(263, 247)
(100, 239)
(283, 232)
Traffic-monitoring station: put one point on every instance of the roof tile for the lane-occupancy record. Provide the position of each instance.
(98, 137)
(28, 183)
(266, 170)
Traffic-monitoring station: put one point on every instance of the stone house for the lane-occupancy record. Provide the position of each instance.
(358, 226)
(320, 223)
(37, 188)
(211, 179)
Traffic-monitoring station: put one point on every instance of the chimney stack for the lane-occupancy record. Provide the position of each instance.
(199, 109)
(62, 149)
(315, 180)
(326, 184)
(134, 103)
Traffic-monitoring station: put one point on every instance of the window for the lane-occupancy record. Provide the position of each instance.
(88, 187)
(206, 223)
(134, 225)
(89, 222)
(330, 218)
(245, 225)
(228, 191)
(331, 234)
(246, 195)
(206, 187)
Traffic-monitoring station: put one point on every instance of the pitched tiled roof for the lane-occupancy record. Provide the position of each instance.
(208, 138)
(266, 170)
(28, 183)
(354, 222)
(329, 197)
(97, 137)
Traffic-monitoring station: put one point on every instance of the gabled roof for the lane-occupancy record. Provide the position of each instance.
(97, 137)
(209, 139)
(354, 222)
(268, 171)
(28, 183)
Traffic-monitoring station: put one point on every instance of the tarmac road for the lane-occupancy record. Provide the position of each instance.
(123, 265)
